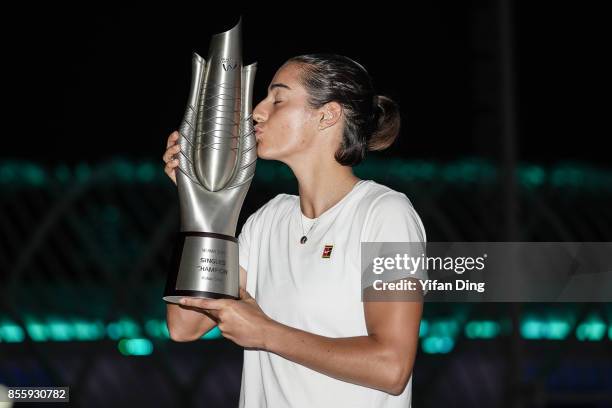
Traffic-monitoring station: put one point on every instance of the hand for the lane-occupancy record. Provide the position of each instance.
(169, 157)
(241, 321)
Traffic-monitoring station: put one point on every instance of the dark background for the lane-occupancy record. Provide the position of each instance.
(504, 137)
(95, 82)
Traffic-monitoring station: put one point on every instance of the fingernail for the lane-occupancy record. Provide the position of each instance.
(182, 301)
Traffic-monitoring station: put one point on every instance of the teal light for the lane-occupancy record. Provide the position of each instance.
(124, 327)
(11, 332)
(423, 328)
(531, 176)
(533, 328)
(82, 172)
(439, 335)
(444, 328)
(146, 172)
(33, 174)
(157, 329)
(37, 331)
(213, 333)
(88, 330)
(470, 170)
(60, 330)
(135, 347)
(591, 329)
(437, 344)
(466, 171)
(122, 170)
(482, 329)
(8, 172)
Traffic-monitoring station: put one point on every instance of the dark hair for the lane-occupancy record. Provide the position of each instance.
(372, 121)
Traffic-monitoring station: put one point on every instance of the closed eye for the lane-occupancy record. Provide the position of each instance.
(275, 102)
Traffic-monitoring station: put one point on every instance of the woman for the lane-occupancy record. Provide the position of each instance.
(309, 339)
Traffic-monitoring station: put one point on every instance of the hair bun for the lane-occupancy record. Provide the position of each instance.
(386, 124)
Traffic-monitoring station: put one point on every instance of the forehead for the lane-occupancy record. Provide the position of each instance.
(288, 74)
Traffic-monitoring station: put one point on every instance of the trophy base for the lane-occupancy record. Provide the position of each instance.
(203, 265)
(178, 294)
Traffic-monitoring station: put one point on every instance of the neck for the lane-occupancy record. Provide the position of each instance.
(322, 185)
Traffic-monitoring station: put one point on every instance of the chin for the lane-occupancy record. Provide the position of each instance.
(262, 153)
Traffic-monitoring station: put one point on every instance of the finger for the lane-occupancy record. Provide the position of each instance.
(170, 170)
(171, 153)
(208, 304)
(172, 138)
(172, 164)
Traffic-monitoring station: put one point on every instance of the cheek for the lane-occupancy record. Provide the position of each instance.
(288, 131)
(296, 127)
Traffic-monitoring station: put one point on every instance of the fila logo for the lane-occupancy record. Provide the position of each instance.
(327, 251)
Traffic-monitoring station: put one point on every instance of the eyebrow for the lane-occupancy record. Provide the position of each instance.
(278, 85)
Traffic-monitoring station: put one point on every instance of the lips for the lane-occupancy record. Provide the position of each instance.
(258, 133)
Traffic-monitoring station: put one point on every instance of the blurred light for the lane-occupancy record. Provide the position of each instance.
(33, 174)
(531, 176)
(434, 333)
(437, 345)
(11, 332)
(482, 329)
(545, 329)
(87, 331)
(82, 172)
(36, 330)
(135, 347)
(59, 330)
(468, 171)
(444, 328)
(592, 329)
(213, 333)
(423, 328)
(146, 172)
(124, 327)
(157, 329)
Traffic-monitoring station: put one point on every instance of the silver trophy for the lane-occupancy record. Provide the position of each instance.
(216, 165)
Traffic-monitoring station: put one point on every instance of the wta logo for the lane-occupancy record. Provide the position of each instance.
(228, 64)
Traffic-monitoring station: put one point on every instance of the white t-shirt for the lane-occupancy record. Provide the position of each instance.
(295, 284)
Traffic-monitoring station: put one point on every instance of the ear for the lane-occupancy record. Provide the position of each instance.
(329, 114)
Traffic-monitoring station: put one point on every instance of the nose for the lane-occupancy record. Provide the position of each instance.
(259, 115)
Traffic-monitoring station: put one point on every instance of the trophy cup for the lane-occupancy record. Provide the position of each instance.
(216, 165)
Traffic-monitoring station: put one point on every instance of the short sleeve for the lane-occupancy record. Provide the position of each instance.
(244, 242)
(394, 224)
(392, 218)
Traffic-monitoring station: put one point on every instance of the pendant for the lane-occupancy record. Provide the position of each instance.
(303, 240)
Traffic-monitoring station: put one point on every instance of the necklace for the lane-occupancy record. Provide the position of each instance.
(305, 234)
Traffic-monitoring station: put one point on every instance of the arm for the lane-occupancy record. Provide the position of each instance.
(383, 359)
(188, 323)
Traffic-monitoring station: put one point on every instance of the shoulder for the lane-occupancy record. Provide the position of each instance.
(280, 203)
(379, 198)
(385, 208)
